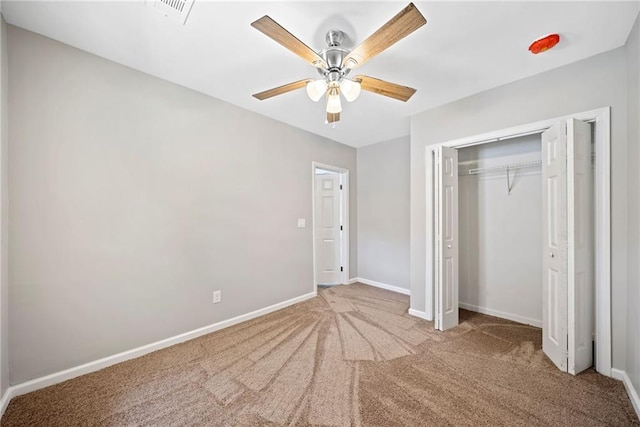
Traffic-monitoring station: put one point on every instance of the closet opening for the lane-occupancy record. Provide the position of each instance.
(500, 223)
(519, 227)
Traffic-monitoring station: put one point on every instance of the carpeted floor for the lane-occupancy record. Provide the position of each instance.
(351, 356)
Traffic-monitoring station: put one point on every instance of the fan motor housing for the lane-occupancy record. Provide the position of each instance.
(333, 55)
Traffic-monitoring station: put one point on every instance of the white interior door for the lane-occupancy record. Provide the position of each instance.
(327, 229)
(581, 284)
(446, 239)
(554, 245)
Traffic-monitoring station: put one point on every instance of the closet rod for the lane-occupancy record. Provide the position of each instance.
(506, 167)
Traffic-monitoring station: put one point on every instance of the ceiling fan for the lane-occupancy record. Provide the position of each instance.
(334, 63)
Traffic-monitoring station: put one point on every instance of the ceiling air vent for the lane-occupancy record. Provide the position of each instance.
(177, 9)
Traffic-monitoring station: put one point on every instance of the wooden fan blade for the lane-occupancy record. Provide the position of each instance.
(404, 23)
(272, 29)
(333, 117)
(281, 89)
(381, 87)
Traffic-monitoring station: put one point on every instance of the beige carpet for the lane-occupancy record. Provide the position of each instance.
(351, 356)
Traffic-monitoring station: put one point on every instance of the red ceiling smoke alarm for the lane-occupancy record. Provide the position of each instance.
(544, 43)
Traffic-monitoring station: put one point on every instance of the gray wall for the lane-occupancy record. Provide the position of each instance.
(633, 292)
(383, 212)
(4, 211)
(595, 82)
(494, 276)
(132, 199)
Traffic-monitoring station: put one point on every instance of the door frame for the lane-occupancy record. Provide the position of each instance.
(601, 118)
(344, 248)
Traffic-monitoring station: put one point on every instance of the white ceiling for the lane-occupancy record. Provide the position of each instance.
(465, 48)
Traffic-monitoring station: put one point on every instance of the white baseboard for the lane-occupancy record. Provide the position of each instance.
(352, 281)
(501, 314)
(381, 285)
(420, 314)
(67, 374)
(631, 391)
(4, 402)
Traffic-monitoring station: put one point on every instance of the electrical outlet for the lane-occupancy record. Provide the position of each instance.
(217, 296)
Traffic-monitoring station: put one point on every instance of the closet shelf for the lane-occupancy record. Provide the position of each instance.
(509, 167)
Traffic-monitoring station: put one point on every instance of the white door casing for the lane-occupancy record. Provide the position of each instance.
(600, 210)
(581, 284)
(327, 229)
(567, 234)
(554, 245)
(447, 238)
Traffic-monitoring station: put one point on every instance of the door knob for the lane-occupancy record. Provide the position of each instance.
(552, 255)
(448, 246)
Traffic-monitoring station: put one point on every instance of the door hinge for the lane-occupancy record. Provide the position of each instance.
(341, 268)
(341, 186)
(340, 228)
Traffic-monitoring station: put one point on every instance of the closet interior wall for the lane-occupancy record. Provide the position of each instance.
(500, 230)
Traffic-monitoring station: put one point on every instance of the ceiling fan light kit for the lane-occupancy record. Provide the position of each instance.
(334, 63)
(350, 89)
(333, 100)
(316, 88)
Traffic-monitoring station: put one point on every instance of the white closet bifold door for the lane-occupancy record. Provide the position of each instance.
(447, 238)
(580, 248)
(567, 291)
(554, 245)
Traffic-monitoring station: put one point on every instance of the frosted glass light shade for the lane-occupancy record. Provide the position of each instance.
(316, 89)
(333, 101)
(350, 89)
